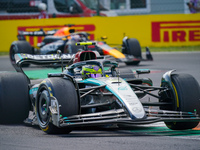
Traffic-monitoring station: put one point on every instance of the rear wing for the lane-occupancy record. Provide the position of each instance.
(37, 33)
(41, 32)
(21, 34)
(41, 60)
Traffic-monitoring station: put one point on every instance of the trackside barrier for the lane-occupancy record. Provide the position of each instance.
(150, 30)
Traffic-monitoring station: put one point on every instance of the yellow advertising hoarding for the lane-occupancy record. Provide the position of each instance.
(150, 30)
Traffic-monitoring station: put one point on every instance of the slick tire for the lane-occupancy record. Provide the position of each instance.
(66, 95)
(14, 98)
(19, 47)
(187, 99)
(134, 49)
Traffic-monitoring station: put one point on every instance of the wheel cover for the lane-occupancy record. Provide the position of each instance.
(43, 108)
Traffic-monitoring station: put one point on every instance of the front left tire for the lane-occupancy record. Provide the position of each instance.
(186, 99)
(66, 95)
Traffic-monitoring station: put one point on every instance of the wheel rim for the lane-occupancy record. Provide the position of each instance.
(43, 111)
(43, 108)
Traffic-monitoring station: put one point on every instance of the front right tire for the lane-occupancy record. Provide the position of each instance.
(187, 99)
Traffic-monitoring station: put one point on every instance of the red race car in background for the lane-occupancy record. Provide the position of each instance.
(65, 39)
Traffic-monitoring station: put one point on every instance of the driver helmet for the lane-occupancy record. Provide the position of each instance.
(76, 37)
(91, 71)
(65, 31)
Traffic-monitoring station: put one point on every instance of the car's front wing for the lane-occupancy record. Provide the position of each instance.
(119, 116)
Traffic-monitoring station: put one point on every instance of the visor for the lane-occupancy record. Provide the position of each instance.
(94, 75)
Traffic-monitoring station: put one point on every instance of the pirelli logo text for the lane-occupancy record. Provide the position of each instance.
(33, 40)
(176, 31)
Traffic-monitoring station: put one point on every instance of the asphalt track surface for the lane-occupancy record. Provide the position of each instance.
(153, 137)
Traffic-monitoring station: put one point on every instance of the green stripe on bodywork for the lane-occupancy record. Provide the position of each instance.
(41, 74)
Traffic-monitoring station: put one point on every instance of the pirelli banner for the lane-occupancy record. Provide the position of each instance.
(150, 30)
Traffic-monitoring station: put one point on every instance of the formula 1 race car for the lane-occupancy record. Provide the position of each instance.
(90, 92)
(65, 38)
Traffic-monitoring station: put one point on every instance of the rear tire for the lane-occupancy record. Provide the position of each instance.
(188, 99)
(19, 47)
(65, 93)
(14, 98)
(133, 48)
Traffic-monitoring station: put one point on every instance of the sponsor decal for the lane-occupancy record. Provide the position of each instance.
(123, 88)
(114, 80)
(137, 109)
(33, 40)
(51, 57)
(176, 31)
(130, 99)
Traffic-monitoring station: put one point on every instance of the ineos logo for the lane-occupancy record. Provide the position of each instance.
(55, 56)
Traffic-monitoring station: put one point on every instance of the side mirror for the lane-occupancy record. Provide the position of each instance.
(142, 71)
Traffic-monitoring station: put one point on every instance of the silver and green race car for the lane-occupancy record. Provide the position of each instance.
(66, 100)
